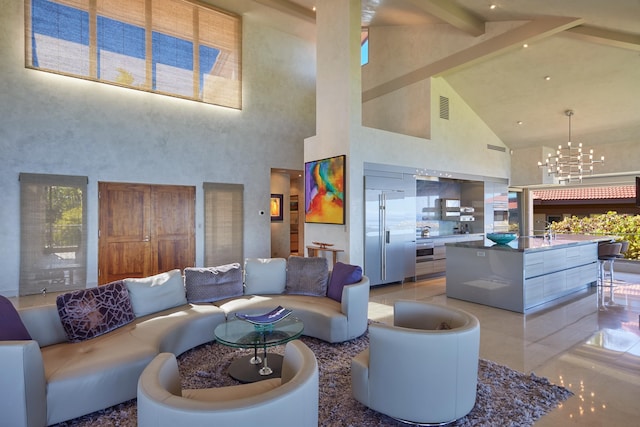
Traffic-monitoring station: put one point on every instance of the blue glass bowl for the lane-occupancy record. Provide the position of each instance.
(501, 238)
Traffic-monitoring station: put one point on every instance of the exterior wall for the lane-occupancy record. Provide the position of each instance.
(62, 125)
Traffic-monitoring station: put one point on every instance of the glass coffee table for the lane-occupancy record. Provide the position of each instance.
(242, 334)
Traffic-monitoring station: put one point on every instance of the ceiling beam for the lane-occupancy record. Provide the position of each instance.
(604, 37)
(290, 8)
(451, 13)
(527, 33)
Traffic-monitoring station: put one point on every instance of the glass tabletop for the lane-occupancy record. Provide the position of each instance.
(242, 334)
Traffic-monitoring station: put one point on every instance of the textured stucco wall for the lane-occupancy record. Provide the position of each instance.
(61, 125)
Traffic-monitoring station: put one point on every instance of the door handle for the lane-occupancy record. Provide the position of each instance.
(145, 239)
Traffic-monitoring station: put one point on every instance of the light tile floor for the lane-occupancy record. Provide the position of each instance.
(589, 347)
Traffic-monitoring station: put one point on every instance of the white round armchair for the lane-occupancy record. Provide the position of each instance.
(424, 368)
(288, 401)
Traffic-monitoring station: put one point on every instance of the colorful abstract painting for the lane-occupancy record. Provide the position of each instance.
(324, 190)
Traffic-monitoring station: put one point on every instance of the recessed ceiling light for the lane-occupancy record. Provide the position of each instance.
(313, 8)
(493, 6)
(520, 122)
(525, 45)
(547, 78)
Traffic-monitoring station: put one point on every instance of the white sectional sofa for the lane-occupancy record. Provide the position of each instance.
(53, 379)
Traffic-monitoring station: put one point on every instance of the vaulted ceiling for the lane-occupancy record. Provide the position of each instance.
(582, 55)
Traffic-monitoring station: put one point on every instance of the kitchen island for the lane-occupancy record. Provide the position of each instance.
(524, 274)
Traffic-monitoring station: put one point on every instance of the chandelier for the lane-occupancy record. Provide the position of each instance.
(570, 163)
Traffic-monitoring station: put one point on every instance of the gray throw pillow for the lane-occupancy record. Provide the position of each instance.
(209, 284)
(307, 276)
(156, 293)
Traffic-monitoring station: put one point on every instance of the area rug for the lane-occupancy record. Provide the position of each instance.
(505, 397)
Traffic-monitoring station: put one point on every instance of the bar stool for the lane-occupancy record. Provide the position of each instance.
(624, 248)
(607, 252)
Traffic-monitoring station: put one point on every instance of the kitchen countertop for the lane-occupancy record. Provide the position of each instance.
(533, 243)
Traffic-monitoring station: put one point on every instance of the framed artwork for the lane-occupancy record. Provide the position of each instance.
(276, 207)
(324, 185)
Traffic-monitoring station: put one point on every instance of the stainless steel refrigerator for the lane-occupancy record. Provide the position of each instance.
(389, 230)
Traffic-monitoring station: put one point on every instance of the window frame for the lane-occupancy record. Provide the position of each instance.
(221, 85)
(223, 223)
(42, 267)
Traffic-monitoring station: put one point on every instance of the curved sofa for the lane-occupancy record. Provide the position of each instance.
(288, 401)
(54, 380)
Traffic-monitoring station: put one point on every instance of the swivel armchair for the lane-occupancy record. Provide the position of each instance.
(424, 368)
(288, 401)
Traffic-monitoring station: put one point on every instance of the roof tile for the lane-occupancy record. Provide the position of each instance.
(591, 193)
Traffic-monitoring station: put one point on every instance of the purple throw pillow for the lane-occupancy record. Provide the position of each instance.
(342, 275)
(11, 326)
(88, 313)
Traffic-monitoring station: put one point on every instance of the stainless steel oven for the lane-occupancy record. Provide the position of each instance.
(500, 217)
(424, 251)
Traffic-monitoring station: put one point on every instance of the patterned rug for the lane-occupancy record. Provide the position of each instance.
(505, 397)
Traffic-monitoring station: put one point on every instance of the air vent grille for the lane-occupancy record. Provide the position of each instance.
(444, 107)
(496, 148)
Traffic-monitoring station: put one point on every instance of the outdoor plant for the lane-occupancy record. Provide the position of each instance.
(621, 226)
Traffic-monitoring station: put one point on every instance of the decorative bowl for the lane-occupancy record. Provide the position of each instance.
(323, 245)
(501, 238)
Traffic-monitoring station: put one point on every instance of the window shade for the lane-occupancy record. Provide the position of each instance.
(53, 233)
(224, 224)
(173, 47)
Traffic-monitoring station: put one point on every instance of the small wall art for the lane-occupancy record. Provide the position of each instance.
(276, 207)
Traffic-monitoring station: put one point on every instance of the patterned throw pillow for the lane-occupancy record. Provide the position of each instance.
(307, 276)
(342, 275)
(88, 313)
(211, 284)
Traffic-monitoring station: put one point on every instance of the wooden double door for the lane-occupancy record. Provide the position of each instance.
(144, 229)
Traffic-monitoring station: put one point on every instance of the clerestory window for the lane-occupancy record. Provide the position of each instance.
(172, 47)
(364, 46)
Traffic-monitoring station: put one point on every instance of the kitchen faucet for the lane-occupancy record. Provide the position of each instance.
(548, 233)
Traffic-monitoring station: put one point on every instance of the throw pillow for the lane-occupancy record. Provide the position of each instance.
(12, 327)
(264, 276)
(307, 276)
(88, 313)
(342, 275)
(156, 293)
(211, 284)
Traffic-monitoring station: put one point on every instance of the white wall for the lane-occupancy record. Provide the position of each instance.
(620, 165)
(61, 125)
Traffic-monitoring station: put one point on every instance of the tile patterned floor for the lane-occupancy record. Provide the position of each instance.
(589, 347)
